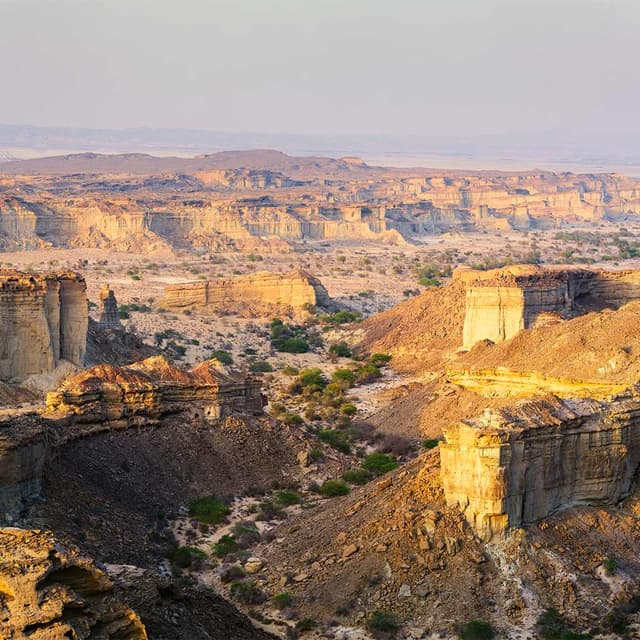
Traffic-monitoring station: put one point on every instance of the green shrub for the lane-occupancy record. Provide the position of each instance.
(312, 378)
(551, 625)
(379, 463)
(380, 359)
(247, 592)
(340, 350)
(234, 572)
(246, 534)
(286, 497)
(292, 419)
(290, 371)
(430, 443)
(348, 409)
(336, 439)
(260, 366)
(293, 345)
(224, 357)
(610, 566)
(344, 377)
(226, 544)
(208, 509)
(368, 373)
(184, 557)
(356, 476)
(316, 454)
(333, 488)
(477, 630)
(342, 317)
(306, 624)
(283, 600)
(382, 621)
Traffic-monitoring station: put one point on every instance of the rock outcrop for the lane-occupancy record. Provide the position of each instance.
(290, 293)
(514, 466)
(145, 391)
(43, 319)
(502, 302)
(109, 317)
(48, 590)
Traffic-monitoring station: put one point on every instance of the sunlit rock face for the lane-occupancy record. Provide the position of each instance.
(266, 292)
(502, 302)
(43, 319)
(48, 590)
(520, 464)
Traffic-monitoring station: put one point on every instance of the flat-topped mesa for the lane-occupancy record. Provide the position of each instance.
(109, 316)
(292, 293)
(43, 320)
(520, 464)
(502, 302)
(145, 391)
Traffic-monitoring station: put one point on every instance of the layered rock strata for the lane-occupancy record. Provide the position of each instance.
(514, 466)
(502, 302)
(263, 292)
(48, 590)
(43, 319)
(147, 390)
(505, 382)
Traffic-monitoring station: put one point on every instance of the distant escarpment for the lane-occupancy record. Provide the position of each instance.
(242, 207)
(43, 320)
(292, 293)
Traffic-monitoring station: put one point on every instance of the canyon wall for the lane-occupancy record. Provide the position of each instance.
(502, 302)
(520, 464)
(263, 292)
(43, 319)
(228, 208)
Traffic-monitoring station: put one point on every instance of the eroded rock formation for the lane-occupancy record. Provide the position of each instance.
(147, 390)
(502, 302)
(516, 465)
(263, 292)
(48, 590)
(108, 397)
(43, 319)
(109, 318)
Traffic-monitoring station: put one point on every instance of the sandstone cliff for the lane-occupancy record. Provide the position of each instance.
(232, 207)
(522, 463)
(502, 302)
(43, 319)
(262, 293)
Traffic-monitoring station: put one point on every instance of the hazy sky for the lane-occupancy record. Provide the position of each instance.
(424, 67)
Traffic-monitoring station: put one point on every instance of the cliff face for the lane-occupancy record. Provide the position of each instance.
(520, 464)
(231, 207)
(49, 591)
(43, 319)
(259, 293)
(502, 302)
